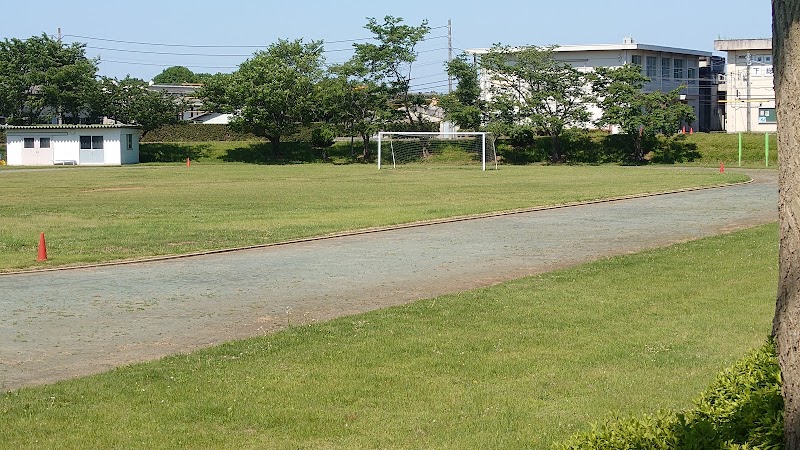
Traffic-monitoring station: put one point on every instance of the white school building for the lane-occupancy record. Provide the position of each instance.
(750, 100)
(46, 145)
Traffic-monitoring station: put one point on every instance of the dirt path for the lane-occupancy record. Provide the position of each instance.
(58, 325)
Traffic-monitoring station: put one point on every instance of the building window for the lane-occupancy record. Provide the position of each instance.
(678, 69)
(637, 60)
(129, 141)
(651, 66)
(691, 74)
(28, 142)
(44, 143)
(91, 142)
(665, 66)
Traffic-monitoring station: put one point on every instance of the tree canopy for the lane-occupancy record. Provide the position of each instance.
(130, 101)
(464, 106)
(272, 93)
(639, 114)
(529, 86)
(41, 80)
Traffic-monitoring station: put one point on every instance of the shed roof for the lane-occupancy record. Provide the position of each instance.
(65, 127)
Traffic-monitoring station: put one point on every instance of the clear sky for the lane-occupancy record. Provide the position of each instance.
(247, 26)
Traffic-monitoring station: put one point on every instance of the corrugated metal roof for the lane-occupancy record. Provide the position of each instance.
(64, 127)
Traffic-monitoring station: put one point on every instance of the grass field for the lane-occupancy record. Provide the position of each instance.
(517, 365)
(96, 214)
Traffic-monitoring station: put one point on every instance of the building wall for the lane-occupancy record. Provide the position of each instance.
(760, 101)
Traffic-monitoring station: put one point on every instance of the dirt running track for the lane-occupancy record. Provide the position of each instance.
(58, 325)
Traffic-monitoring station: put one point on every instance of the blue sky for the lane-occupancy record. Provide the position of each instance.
(247, 25)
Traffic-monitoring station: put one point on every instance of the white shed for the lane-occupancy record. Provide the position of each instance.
(45, 145)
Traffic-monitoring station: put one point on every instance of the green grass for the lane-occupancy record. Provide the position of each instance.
(517, 365)
(716, 148)
(114, 213)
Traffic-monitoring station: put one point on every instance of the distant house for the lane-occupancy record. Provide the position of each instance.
(667, 68)
(195, 112)
(45, 145)
(212, 118)
(750, 101)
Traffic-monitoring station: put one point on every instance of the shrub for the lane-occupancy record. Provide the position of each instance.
(742, 408)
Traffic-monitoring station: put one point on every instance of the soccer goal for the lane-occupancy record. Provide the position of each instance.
(436, 148)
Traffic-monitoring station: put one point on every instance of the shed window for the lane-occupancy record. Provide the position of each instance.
(91, 142)
(44, 143)
(28, 143)
(129, 141)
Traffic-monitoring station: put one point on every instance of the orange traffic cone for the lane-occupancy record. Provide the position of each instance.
(722, 167)
(188, 162)
(42, 249)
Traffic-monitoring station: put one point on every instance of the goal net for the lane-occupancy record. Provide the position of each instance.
(436, 148)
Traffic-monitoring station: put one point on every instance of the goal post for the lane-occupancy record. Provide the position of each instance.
(471, 148)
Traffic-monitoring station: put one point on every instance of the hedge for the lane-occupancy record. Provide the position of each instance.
(191, 132)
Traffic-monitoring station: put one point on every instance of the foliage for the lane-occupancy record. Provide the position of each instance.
(388, 63)
(529, 86)
(177, 75)
(129, 101)
(354, 103)
(272, 93)
(42, 79)
(742, 407)
(641, 115)
(464, 106)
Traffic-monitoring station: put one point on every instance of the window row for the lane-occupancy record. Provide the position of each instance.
(670, 68)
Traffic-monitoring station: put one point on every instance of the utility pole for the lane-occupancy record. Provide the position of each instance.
(749, 63)
(59, 35)
(449, 53)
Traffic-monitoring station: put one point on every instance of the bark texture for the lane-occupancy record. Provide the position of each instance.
(785, 329)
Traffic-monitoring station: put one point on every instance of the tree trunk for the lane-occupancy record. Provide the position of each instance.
(275, 142)
(365, 137)
(555, 149)
(785, 329)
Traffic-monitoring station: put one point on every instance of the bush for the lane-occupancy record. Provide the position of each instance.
(742, 408)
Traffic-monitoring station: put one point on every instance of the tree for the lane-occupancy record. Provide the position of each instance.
(272, 93)
(640, 115)
(389, 62)
(42, 79)
(130, 101)
(785, 329)
(176, 75)
(355, 103)
(530, 86)
(464, 106)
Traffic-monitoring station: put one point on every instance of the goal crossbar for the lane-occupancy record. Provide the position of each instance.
(382, 135)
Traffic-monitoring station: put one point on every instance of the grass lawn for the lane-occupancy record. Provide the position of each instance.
(96, 214)
(517, 365)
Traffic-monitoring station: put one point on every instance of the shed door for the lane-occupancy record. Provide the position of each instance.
(37, 151)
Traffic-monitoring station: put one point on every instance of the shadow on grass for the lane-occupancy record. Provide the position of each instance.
(171, 152)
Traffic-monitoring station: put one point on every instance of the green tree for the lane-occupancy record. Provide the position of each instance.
(640, 115)
(130, 101)
(529, 86)
(389, 62)
(271, 94)
(354, 102)
(42, 79)
(786, 59)
(464, 106)
(176, 75)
